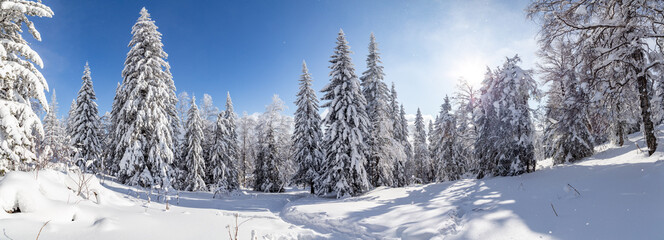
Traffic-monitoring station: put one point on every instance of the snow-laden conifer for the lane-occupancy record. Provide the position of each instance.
(21, 81)
(347, 128)
(421, 155)
(224, 153)
(307, 136)
(193, 152)
(505, 132)
(55, 144)
(449, 166)
(86, 126)
(384, 151)
(143, 111)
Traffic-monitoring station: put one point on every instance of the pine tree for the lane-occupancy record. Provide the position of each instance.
(193, 151)
(20, 127)
(505, 131)
(449, 166)
(421, 151)
(55, 146)
(486, 150)
(403, 167)
(224, 154)
(179, 165)
(208, 114)
(347, 128)
(86, 126)
(143, 111)
(267, 166)
(307, 136)
(105, 141)
(71, 115)
(385, 151)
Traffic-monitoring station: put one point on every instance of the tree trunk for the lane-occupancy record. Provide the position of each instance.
(620, 129)
(642, 84)
(648, 126)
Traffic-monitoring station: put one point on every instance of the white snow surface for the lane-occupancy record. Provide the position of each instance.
(620, 196)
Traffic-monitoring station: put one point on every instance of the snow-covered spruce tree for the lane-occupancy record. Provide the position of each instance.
(21, 83)
(347, 127)
(224, 153)
(421, 155)
(400, 134)
(403, 168)
(208, 114)
(179, 165)
(395, 112)
(449, 165)
(513, 87)
(267, 173)
(105, 141)
(193, 152)
(282, 128)
(620, 36)
(143, 111)
(385, 151)
(486, 122)
(307, 136)
(55, 144)
(71, 116)
(566, 122)
(231, 118)
(85, 131)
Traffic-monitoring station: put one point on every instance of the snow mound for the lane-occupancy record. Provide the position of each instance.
(53, 194)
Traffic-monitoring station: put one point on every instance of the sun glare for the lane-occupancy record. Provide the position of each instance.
(470, 68)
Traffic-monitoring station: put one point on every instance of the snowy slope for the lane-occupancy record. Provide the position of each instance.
(620, 196)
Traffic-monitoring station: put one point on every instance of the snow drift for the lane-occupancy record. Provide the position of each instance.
(616, 194)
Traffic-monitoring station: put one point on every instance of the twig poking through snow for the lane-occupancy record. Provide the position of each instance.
(577, 191)
(554, 209)
(42, 228)
(230, 235)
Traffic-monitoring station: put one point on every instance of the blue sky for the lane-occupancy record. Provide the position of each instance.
(254, 49)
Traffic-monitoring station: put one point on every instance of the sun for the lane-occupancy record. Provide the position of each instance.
(471, 68)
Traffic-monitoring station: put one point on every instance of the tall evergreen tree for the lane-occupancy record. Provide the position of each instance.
(267, 173)
(270, 172)
(347, 127)
(224, 154)
(144, 112)
(384, 151)
(21, 81)
(86, 126)
(421, 150)
(403, 167)
(307, 136)
(449, 166)
(55, 145)
(208, 114)
(505, 130)
(193, 151)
